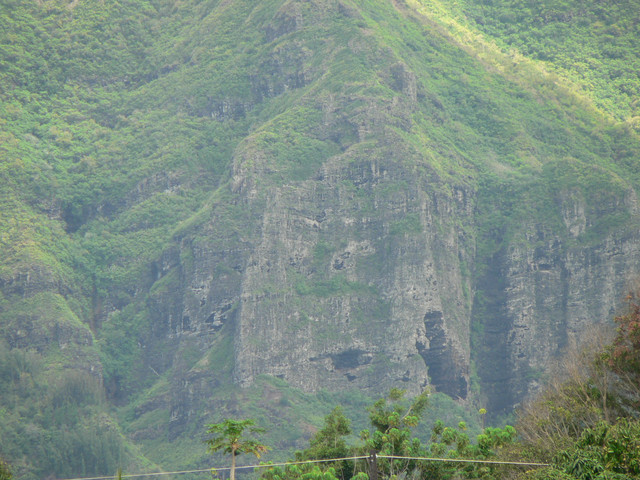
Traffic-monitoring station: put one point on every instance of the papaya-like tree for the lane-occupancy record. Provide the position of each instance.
(232, 437)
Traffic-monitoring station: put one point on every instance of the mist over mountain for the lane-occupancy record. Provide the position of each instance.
(214, 208)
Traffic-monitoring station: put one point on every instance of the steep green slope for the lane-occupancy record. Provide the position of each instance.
(198, 194)
(66, 71)
(593, 44)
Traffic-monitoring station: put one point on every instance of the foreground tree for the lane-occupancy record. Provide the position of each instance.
(329, 442)
(623, 356)
(394, 419)
(231, 436)
(577, 396)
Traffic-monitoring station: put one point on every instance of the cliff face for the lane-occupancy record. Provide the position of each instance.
(343, 195)
(547, 293)
(353, 246)
(348, 280)
(349, 284)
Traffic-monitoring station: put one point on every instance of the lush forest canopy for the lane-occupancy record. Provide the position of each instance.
(125, 126)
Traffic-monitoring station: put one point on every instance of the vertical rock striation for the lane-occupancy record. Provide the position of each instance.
(546, 292)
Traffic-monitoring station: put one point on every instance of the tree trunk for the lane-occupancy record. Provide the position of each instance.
(232, 473)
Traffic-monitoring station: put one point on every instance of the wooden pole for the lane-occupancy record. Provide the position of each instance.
(373, 465)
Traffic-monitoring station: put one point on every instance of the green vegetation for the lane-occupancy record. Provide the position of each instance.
(231, 437)
(592, 44)
(584, 425)
(5, 471)
(408, 225)
(393, 421)
(58, 417)
(134, 132)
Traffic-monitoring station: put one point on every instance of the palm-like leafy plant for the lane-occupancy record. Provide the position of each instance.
(230, 436)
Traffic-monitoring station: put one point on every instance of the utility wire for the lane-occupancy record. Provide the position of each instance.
(221, 469)
(464, 460)
(302, 462)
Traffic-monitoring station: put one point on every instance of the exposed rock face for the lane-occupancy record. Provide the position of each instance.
(326, 295)
(546, 294)
(341, 246)
(326, 282)
(359, 266)
(346, 281)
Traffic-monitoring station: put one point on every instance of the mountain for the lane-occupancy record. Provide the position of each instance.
(225, 207)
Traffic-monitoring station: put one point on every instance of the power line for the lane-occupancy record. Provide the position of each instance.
(464, 460)
(132, 475)
(221, 469)
(327, 460)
